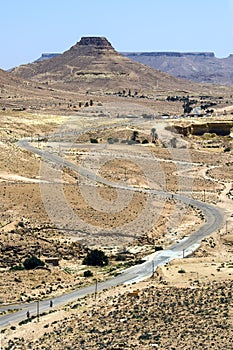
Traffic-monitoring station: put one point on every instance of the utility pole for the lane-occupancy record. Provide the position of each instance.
(37, 310)
(204, 195)
(95, 288)
(153, 268)
(226, 227)
(183, 250)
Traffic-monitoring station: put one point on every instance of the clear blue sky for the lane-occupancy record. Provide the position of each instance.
(30, 27)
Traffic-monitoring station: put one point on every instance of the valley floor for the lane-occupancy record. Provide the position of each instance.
(186, 305)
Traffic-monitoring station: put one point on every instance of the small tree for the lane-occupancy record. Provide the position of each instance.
(227, 149)
(96, 258)
(154, 135)
(32, 262)
(92, 140)
(87, 273)
(110, 140)
(187, 108)
(135, 135)
(173, 142)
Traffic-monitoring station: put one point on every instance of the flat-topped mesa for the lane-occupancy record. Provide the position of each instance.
(98, 41)
(92, 44)
(46, 56)
(171, 54)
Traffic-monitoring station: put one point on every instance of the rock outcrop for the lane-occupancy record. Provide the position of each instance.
(93, 46)
(96, 41)
(221, 129)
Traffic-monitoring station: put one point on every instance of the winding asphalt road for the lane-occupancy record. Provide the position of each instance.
(213, 222)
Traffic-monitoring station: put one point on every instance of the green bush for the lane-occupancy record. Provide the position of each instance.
(145, 336)
(110, 140)
(93, 140)
(158, 247)
(32, 262)
(96, 258)
(87, 273)
(120, 257)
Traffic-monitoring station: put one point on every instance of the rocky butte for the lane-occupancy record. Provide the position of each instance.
(95, 41)
(87, 45)
(93, 45)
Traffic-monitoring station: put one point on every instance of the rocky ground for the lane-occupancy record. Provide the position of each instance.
(144, 317)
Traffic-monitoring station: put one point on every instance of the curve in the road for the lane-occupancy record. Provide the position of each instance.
(213, 217)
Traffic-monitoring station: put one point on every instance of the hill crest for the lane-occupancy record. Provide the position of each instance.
(93, 64)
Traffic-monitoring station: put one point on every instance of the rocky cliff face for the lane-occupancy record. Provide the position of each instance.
(221, 129)
(92, 46)
(96, 41)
